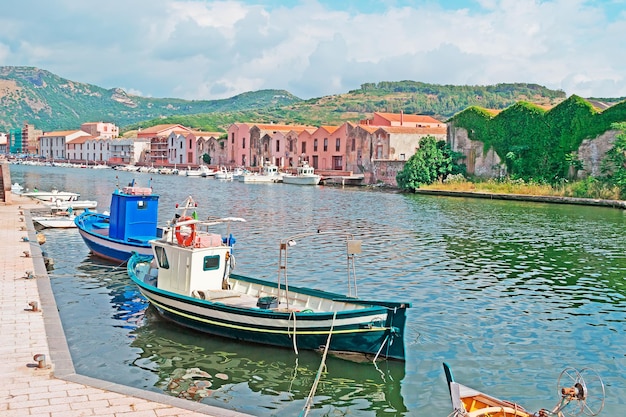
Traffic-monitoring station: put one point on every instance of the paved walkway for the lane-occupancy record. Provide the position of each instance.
(37, 373)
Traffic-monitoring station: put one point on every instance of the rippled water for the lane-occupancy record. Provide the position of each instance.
(508, 293)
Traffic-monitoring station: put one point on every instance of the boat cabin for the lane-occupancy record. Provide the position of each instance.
(134, 213)
(201, 266)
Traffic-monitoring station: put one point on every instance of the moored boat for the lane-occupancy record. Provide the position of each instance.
(131, 224)
(268, 174)
(305, 175)
(56, 220)
(580, 391)
(189, 279)
(52, 195)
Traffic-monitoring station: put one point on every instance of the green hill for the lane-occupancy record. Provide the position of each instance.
(50, 102)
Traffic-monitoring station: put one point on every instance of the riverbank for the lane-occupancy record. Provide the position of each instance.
(37, 368)
(621, 204)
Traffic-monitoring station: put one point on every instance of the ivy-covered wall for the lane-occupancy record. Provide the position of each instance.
(532, 142)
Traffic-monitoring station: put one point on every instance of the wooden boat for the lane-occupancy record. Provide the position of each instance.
(305, 175)
(132, 222)
(189, 280)
(573, 386)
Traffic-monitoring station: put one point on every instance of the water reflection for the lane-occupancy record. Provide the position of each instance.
(216, 371)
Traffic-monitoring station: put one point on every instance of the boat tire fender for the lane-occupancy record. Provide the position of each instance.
(185, 239)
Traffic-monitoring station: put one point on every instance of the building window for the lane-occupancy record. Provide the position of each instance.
(315, 145)
(337, 145)
(243, 143)
(325, 144)
(277, 146)
(303, 147)
(353, 144)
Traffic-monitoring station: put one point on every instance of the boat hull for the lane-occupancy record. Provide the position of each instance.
(375, 330)
(302, 180)
(101, 245)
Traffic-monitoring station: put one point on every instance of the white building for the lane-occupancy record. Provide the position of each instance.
(53, 144)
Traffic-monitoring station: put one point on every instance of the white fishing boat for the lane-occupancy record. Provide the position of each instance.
(224, 174)
(52, 195)
(189, 280)
(305, 175)
(201, 171)
(269, 174)
(17, 188)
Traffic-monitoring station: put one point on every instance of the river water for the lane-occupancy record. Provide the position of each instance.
(508, 293)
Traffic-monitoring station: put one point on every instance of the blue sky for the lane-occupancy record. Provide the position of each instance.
(203, 49)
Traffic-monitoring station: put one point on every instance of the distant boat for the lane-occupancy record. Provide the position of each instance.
(224, 174)
(268, 174)
(132, 222)
(188, 278)
(52, 195)
(305, 175)
(201, 171)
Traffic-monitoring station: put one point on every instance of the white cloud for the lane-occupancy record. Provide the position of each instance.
(202, 49)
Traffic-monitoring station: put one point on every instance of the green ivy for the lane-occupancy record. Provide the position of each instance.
(534, 143)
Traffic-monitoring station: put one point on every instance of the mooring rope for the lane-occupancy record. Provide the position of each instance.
(309, 400)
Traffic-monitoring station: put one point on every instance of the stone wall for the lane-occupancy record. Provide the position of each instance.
(592, 151)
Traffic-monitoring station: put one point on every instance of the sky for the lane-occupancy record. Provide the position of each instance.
(206, 50)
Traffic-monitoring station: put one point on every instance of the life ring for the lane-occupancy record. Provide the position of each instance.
(185, 239)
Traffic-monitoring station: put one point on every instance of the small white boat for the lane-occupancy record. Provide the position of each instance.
(58, 220)
(72, 204)
(305, 175)
(224, 174)
(52, 195)
(239, 172)
(201, 171)
(269, 174)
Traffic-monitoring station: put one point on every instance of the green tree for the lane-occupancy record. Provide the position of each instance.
(206, 158)
(433, 161)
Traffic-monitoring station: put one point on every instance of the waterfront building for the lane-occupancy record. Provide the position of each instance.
(158, 137)
(53, 144)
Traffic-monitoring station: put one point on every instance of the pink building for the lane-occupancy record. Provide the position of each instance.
(258, 144)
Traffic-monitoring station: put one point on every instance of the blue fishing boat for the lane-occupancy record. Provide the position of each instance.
(189, 279)
(131, 223)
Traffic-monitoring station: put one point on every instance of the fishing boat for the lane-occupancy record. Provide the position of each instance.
(130, 225)
(52, 195)
(305, 175)
(579, 391)
(268, 174)
(201, 171)
(189, 279)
